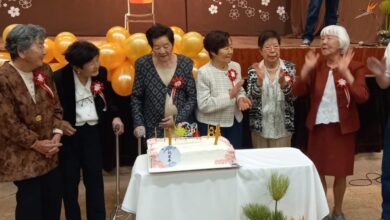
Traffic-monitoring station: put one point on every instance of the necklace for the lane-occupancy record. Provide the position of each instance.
(272, 70)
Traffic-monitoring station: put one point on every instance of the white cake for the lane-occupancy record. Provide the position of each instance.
(189, 153)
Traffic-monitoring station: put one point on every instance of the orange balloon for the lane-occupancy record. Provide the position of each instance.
(56, 66)
(65, 34)
(4, 56)
(195, 72)
(177, 30)
(7, 30)
(177, 45)
(117, 34)
(138, 35)
(60, 46)
(136, 47)
(192, 44)
(201, 59)
(111, 55)
(123, 79)
(49, 50)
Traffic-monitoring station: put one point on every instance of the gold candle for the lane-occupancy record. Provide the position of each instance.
(170, 136)
(217, 134)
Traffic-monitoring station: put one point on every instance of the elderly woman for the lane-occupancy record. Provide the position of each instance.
(271, 117)
(86, 97)
(221, 97)
(164, 92)
(381, 70)
(336, 84)
(30, 126)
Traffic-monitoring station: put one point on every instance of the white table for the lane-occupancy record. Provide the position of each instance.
(221, 194)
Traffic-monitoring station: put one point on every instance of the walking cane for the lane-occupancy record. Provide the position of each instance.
(117, 213)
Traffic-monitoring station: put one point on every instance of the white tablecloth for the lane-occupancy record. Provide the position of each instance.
(221, 194)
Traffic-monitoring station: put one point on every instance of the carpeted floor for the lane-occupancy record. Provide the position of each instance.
(361, 202)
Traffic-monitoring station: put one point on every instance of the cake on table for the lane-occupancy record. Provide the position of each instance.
(189, 153)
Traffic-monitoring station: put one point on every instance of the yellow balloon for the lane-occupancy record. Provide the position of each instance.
(177, 30)
(61, 44)
(111, 55)
(123, 79)
(136, 47)
(56, 66)
(4, 56)
(117, 34)
(201, 59)
(49, 50)
(7, 30)
(138, 35)
(195, 72)
(192, 44)
(65, 34)
(177, 45)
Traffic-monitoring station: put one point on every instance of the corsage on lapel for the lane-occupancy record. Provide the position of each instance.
(97, 89)
(342, 84)
(40, 80)
(288, 77)
(177, 83)
(232, 74)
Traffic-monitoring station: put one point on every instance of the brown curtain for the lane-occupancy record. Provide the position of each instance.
(298, 17)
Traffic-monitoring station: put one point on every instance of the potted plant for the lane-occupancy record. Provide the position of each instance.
(384, 34)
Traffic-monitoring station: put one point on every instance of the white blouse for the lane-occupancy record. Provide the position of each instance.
(272, 100)
(328, 110)
(85, 104)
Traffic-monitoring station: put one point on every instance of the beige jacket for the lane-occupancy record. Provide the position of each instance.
(22, 122)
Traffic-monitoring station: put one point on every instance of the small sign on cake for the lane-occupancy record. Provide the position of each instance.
(169, 156)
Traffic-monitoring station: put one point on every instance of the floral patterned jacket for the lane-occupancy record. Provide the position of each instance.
(255, 94)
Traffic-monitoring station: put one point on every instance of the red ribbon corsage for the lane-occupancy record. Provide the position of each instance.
(232, 74)
(40, 80)
(177, 83)
(342, 83)
(97, 89)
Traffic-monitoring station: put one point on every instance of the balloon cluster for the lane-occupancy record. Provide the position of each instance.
(119, 53)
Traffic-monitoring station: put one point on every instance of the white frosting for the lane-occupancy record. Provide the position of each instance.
(195, 153)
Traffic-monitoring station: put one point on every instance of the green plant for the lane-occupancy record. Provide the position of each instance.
(277, 187)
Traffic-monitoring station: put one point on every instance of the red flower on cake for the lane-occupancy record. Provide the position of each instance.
(232, 74)
(177, 83)
(342, 84)
(40, 80)
(97, 88)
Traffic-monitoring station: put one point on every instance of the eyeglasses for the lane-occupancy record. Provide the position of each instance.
(270, 47)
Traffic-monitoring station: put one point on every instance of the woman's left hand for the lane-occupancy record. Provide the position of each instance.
(118, 126)
(282, 79)
(244, 103)
(344, 61)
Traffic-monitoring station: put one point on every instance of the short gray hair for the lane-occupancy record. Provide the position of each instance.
(21, 37)
(340, 33)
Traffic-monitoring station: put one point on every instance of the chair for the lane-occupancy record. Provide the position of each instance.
(145, 17)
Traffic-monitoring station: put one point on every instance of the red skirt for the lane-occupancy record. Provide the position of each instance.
(332, 152)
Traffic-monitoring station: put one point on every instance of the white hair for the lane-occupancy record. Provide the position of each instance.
(340, 33)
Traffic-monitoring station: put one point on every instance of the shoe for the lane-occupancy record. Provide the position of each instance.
(306, 43)
(338, 216)
(326, 218)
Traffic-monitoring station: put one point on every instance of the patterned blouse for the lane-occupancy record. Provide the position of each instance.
(271, 105)
(149, 94)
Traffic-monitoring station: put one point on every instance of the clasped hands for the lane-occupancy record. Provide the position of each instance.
(244, 102)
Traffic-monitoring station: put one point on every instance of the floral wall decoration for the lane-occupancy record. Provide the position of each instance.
(256, 9)
(14, 8)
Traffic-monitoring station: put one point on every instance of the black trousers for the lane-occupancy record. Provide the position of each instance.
(39, 197)
(83, 151)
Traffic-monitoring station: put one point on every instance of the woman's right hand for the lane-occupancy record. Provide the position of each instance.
(378, 68)
(259, 73)
(311, 59)
(68, 129)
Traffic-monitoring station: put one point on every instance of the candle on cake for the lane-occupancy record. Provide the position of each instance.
(217, 134)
